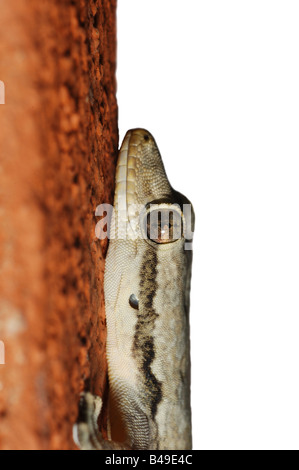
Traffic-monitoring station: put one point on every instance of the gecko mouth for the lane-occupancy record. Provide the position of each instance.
(127, 190)
(126, 170)
(126, 198)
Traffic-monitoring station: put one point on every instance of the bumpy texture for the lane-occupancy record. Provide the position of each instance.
(58, 149)
(148, 346)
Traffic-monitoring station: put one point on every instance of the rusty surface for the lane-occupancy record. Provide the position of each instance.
(58, 131)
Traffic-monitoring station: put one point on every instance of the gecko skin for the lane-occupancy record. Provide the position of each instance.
(147, 284)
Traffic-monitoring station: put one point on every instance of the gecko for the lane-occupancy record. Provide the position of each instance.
(146, 287)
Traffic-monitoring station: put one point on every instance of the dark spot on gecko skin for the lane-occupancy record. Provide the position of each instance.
(146, 137)
(133, 301)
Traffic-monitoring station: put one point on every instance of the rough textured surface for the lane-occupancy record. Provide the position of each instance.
(58, 149)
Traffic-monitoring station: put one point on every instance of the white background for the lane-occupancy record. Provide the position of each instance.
(217, 83)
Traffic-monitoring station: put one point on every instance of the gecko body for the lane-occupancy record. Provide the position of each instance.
(147, 284)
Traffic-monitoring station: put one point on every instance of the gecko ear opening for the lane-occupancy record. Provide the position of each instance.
(133, 301)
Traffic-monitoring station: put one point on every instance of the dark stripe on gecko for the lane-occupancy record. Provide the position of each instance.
(143, 346)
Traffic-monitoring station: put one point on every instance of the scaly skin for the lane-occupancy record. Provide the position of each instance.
(147, 284)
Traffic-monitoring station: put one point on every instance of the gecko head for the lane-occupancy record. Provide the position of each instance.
(145, 202)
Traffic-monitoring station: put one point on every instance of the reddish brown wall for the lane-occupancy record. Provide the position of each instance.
(58, 140)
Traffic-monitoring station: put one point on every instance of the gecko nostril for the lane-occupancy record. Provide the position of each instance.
(133, 301)
(146, 137)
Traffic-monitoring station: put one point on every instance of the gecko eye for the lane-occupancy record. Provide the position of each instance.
(133, 301)
(164, 225)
